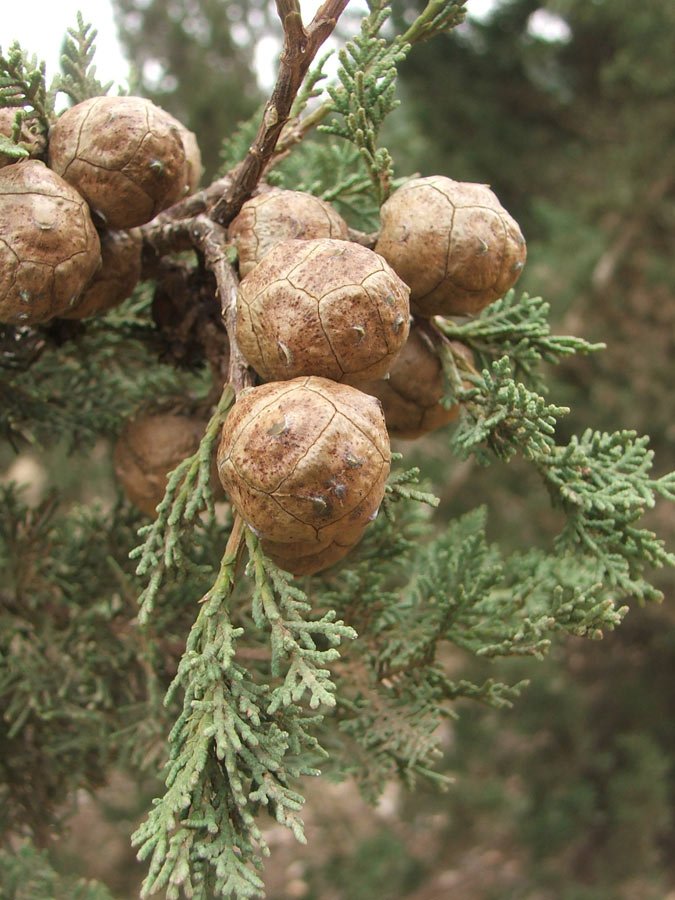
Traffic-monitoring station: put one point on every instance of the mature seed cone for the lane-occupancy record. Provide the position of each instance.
(305, 462)
(116, 279)
(149, 447)
(411, 395)
(49, 248)
(123, 154)
(276, 216)
(29, 136)
(322, 307)
(303, 563)
(452, 242)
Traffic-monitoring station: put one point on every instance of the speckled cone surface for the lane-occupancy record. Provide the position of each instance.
(123, 154)
(322, 307)
(276, 216)
(49, 248)
(148, 449)
(305, 461)
(411, 395)
(34, 142)
(452, 242)
(117, 277)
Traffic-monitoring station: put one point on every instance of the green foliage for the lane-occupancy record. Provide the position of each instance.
(239, 742)
(517, 327)
(168, 541)
(602, 482)
(62, 382)
(502, 414)
(23, 85)
(79, 80)
(366, 97)
(28, 875)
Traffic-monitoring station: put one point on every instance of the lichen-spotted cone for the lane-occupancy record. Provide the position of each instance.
(49, 248)
(149, 447)
(305, 461)
(411, 395)
(322, 307)
(278, 215)
(123, 154)
(452, 242)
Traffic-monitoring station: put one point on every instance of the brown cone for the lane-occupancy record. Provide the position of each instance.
(148, 449)
(309, 563)
(116, 279)
(49, 248)
(276, 216)
(322, 307)
(305, 461)
(123, 154)
(411, 395)
(452, 242)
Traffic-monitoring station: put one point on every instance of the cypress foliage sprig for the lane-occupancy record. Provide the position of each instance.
(437, 17)
(517, 327)
(23, 89)
(501, 414)
(400, 486)
(187, 492)
(78, 79)
(23, 84)
(365, 96)
(293, 637)
(238, 743)
(603, 484)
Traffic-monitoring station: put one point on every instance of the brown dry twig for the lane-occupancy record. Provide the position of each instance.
(300, 47)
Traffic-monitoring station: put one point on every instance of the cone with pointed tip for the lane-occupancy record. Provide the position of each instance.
(322, 307)
(452, 242)
(305, 463)
(49, 248)
(123, 154)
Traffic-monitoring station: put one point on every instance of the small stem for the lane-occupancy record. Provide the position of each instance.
(300, 48)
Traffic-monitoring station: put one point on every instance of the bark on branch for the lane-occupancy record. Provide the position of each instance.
(300, 47)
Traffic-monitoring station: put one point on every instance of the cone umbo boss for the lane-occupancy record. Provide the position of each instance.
(116, 278)
(280, 215)
(411, 394)
(149, 447)
(452, 242)
(305, 462)
(123, 154)
(49, 248)
(322, 307)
